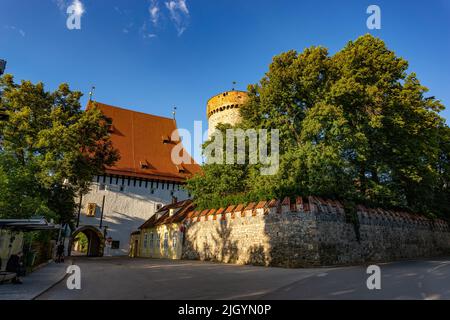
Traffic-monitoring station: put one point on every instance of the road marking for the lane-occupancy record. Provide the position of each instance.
(324, 274)
(444, 264)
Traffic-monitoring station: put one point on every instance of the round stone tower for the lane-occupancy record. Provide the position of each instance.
(224, 108)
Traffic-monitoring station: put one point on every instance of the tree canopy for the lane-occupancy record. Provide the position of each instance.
(356, 126)
(50, 149)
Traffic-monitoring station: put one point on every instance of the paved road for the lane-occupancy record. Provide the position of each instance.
(123, 278)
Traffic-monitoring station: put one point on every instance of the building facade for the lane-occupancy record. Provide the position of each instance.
(162, 236)
(142, 181)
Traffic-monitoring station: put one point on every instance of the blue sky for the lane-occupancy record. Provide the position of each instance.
(183, 52)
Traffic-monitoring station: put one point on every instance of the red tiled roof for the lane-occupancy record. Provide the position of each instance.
(175, 205)
(139, 137)
(149, 223)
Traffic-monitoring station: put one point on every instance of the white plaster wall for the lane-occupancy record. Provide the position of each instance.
(125, 211)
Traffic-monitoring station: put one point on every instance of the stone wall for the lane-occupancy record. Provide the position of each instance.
(310, 232)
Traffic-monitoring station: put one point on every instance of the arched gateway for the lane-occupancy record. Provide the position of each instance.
(95, 238)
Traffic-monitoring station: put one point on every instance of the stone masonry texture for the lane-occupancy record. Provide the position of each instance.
(224, 108)
(310, 232)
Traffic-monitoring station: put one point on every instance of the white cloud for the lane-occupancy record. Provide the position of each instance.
(154, 12)
(179, 14)
(15, 29)
(61, 4)
(78, 7)
(64, 4)
(145, 33)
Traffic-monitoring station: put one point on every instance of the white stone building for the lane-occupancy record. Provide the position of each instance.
(141, 182)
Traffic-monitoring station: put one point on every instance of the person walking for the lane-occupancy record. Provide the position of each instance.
(60, 253)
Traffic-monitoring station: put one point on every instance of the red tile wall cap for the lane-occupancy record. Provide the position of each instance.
(286, 201)
(273, 203)
(230, 209)
(261, 204)
(196, 214)
(250, 206)
(204, 212)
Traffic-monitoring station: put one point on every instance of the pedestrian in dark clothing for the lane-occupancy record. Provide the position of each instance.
(13, 265)
(60, 253)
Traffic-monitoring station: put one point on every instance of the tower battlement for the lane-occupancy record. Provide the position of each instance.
(224, 108)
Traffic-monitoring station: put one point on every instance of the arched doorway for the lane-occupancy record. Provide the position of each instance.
(95, 240)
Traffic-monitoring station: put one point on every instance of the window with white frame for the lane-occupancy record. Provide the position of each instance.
(145, 240)
(151, 241)
(166, 241)
(158, 241)
(174, 240)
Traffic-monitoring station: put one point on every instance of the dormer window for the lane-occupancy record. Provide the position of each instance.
(166, 139)
(110, 128)
(144, 165)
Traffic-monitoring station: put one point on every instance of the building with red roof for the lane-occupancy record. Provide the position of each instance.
(140, 183)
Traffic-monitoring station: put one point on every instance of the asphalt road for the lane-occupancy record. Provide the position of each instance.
(124, 278)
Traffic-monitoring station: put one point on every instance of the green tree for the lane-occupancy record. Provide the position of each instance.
(50, 149)
(354, 126)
